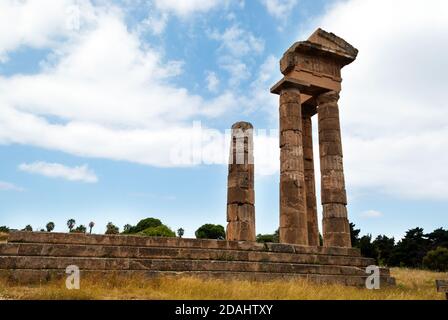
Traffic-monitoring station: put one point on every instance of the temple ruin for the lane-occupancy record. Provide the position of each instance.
(310, 85)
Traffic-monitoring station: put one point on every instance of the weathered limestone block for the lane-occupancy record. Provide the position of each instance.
(310, 188)
(240, 191)
(335, 224)
(293, 215)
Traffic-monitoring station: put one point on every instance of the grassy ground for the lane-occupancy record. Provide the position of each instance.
(411, 284)
(3, 237)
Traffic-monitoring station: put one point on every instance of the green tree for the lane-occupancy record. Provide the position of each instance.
(143, 225)
(91, 225)
(367, 248)
(437, 259)
(438, 238)
(385, 247)
(264, 238)
(211, 231)
(354, 235)
(410, 250)
(112, 229)
(159, 231)
(71, 224)
(4, 229)
(28, 228)
(180, 232)
(80, 229)
(127, 228)
(50, 226)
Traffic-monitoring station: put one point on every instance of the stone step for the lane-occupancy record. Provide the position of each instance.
(72, 250)
(139, 241)
(27, 276)
(39, 262)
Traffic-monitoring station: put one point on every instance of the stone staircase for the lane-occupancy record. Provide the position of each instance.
(29, 257)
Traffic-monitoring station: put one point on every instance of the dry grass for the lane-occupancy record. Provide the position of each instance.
(411, 284)
(3, 237)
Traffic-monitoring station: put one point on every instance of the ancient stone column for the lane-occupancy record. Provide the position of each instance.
(293, 219)
(310, 184)
(336, 232)
(240, 191)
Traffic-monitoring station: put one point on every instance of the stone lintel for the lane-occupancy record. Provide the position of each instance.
(304, 87)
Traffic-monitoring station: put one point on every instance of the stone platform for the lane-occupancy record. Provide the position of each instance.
(29, 257)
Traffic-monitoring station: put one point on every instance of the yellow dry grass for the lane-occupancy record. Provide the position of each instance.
(411, 284)
(3, 237)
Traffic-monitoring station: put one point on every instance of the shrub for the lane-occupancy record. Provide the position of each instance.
(263, 238)
(143, 225)
(159, 231)
(4, 229)
(79, 229)
(437, 259)
(211, 231)
(112, 229)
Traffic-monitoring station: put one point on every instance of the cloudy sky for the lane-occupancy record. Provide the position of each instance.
(118, 110)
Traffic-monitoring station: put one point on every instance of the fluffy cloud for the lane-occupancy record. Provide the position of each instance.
(279, 9)
(36, 24)
(103, 93)
(57, 170)
(393, 109)
(7, 186)
(212, 81)
(371, 214)
(236, 44)
(185, 8)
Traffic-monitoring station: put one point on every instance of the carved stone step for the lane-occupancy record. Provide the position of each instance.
(40, 262)
(35, 276)
(72, 250)
(123, 240)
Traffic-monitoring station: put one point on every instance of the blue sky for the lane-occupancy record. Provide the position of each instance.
(97, 98)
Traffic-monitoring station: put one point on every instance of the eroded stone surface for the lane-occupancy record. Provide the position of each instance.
(240, 185)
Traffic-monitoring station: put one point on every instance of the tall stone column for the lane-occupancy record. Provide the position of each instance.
(293, 218)
(240, 191)
(336, 231)
(310, 184)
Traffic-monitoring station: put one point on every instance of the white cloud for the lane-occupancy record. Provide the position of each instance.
(57, 170)
(371, 214)
(279, 9)
(185, 8)
(7, 186)
(236, 46)
(393, 106)
(38, 23)
(238, 42)
(212, 81)
(103, 93)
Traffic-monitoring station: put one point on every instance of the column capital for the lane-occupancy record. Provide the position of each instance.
(330, 96)
(290, 84)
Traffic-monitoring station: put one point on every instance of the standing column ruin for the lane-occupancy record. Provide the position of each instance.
(335, 225)
(310, 185)
(293, 220)
(311, 84)
(240, 189)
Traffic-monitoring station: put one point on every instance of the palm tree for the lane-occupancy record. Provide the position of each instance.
(71, 224)
(91, 225)
(50, 226)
